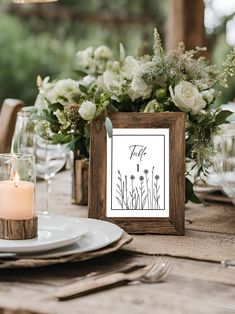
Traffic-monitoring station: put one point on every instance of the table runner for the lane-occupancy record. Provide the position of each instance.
(209, 236)
(211, 217)
(195, 244)
(204, 225)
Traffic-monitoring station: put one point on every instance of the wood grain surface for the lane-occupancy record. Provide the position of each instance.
(194, 287)
(18, 229)
(81, 185)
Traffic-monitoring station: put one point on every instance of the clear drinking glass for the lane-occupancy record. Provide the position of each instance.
(24, 136)
(17, 186)
(225, 164)
(212, 177)
(50, 158)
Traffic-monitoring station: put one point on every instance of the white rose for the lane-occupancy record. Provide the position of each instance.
(64, 91)
(83, 57)
(114, 66)
(111, 80)
(152, 106)
(130, 65)
(100, 82)
(187, 97)
(208, 95)
(88, 80)
(52, 96)
(67, 85)
(85, 60)
(87, 110)
(103, 52)
(139, 88)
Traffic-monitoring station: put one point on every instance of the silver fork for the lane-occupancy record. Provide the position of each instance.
(158, 272)
(153, 273)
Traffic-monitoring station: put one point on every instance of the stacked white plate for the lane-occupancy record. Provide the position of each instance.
(59, 236)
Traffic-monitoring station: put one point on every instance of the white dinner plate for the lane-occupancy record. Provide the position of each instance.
(53, 232)
(101, 233)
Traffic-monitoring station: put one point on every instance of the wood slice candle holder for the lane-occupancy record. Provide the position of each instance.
(12, 229)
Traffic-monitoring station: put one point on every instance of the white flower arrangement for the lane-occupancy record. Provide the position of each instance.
(175, 81)
(64, 92)
(92, 61)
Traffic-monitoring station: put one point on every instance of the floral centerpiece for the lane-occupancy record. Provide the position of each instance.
(174, 81)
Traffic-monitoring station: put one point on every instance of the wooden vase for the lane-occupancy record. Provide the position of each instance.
(80, 182)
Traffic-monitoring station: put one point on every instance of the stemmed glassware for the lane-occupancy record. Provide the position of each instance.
(224, 163)
(24, 136)
(50, 158)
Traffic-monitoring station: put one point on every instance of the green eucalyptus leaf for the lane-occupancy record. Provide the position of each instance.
(222, 116)
(72, 144)
(111, 108)
(109, 127)
(81, 72)
(83, 88)
(60, 138)
(189, 193)
(56, 106)
(122, 52)
(200, 118)
(55, 127)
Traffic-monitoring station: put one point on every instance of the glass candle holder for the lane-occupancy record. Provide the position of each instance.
(18, 218)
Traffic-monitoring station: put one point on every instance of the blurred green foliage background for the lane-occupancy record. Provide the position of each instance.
(43, 39)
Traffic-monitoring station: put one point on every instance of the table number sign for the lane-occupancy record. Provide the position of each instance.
(137, 172)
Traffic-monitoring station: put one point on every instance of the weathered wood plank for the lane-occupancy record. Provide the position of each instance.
(192, 287)
(188, 277)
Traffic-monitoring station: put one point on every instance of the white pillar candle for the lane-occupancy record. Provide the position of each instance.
(16, 200)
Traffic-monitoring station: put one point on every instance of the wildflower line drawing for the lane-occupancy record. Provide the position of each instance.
(141, 192)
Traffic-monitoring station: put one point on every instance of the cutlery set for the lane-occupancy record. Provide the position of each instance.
(152, 273)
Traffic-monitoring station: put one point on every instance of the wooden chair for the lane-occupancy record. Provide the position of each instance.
(8, 116)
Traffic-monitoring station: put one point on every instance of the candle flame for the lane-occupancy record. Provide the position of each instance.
(16, 179)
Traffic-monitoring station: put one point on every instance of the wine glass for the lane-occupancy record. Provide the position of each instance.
(50, 159)
(23, 141)
(225, 164)
(213, 176)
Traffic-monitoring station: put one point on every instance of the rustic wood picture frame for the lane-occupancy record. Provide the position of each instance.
(175, 122)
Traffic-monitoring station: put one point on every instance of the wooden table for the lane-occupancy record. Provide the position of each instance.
(185, 290)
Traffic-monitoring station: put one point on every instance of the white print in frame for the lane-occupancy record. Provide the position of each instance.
(146, 153)
(138, 173)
